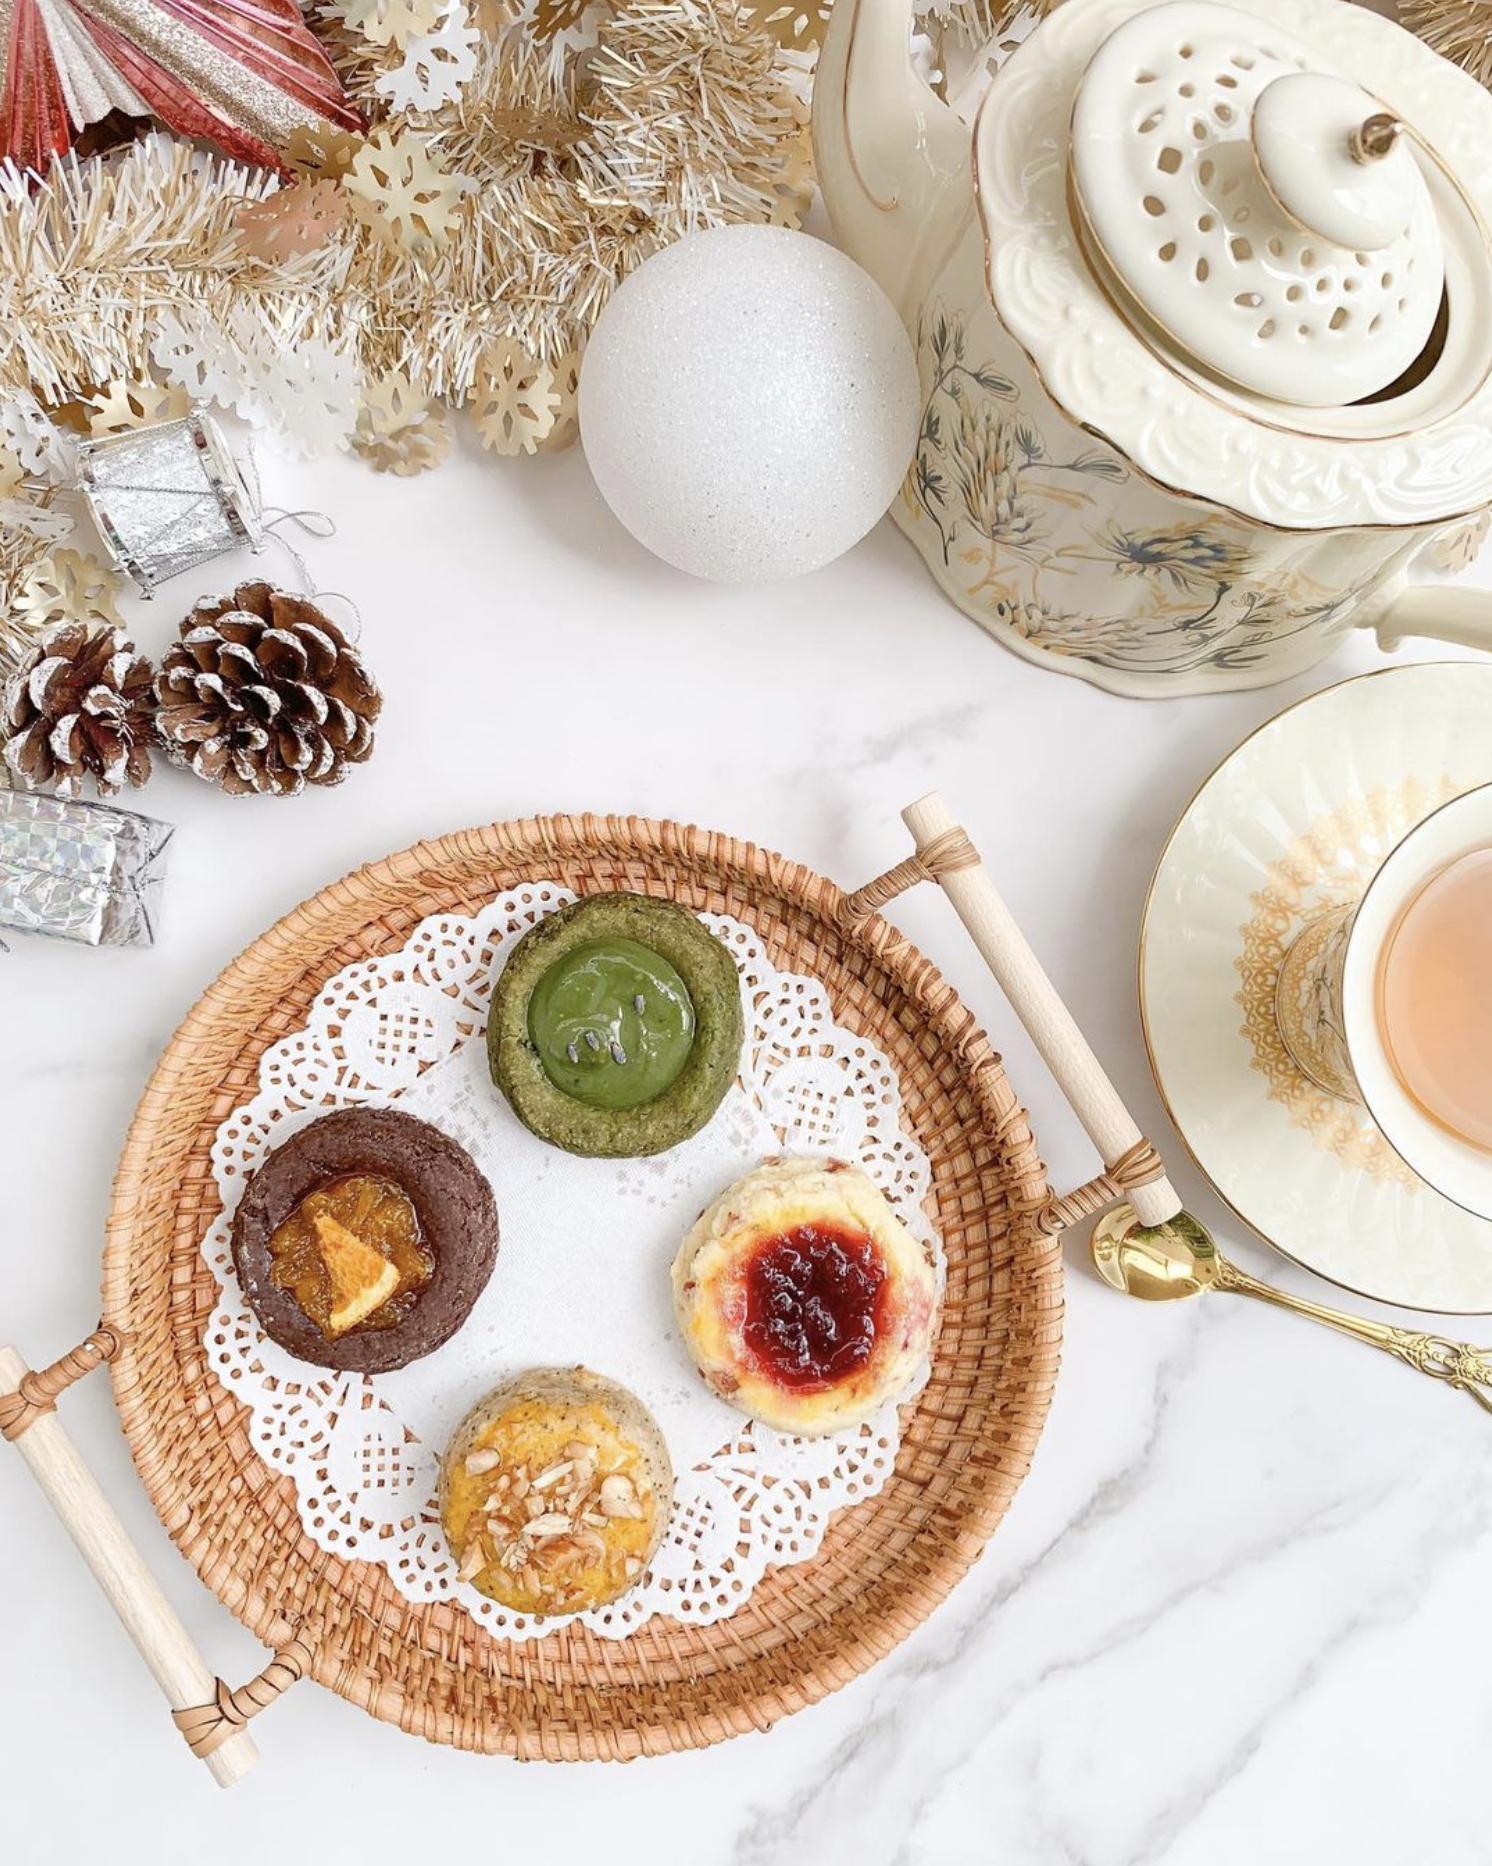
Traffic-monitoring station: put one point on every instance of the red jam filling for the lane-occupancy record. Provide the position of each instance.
(814, 1301)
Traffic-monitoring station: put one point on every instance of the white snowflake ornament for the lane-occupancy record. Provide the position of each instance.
(197, 355)
(44, 450)
(308, 396)
(436, 65)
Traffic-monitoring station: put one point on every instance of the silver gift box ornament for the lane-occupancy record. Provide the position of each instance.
(167, 497)
(80, 871)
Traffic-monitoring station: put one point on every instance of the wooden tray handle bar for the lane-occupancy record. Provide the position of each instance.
(28, 1419)
(1134, 1168)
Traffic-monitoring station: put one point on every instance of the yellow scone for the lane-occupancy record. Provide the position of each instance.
(803, 1298)
(555, 1491)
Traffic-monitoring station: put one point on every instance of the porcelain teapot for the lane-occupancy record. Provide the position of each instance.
(1202, 306)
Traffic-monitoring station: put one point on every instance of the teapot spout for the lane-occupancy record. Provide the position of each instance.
(893, 159)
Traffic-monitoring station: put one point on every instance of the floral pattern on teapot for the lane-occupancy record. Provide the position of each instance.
(1026, 521)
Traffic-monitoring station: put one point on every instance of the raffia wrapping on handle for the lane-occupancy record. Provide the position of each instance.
(40, 1387)
(1140, 1166)
(944, 855)
(206, 1726)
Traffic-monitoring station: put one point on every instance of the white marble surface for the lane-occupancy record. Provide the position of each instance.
(1238, 1611)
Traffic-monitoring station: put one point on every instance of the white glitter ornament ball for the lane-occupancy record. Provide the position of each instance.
(749, 403)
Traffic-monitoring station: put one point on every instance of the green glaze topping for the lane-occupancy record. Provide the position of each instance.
(613, 1023)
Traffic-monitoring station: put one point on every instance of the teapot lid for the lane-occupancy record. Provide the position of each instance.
(1267, 215)
(1173, 405)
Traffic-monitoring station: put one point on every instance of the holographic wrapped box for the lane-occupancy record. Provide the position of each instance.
(80, 871)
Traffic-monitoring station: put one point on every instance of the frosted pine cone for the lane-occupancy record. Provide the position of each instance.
(264, 694)
(77, 707)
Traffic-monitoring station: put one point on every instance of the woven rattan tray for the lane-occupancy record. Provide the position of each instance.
(885, 1564)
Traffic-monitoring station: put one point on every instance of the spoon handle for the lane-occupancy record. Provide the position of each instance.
(1455, 1362)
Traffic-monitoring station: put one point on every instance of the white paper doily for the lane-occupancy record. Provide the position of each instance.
(581, 1274)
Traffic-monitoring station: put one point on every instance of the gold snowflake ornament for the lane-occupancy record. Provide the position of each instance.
(795, 25)
(563, 434)
(514, 400)
(292, 221)
(402, 192)
(69, 586)
(119, 406)
(322, 149)
(399, 429)
(436, 67)
(794, 183)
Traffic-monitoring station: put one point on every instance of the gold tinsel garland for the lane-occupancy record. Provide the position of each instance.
(457, 255)
(505, 216)
(497, 201)
(1460, 30)
(577, 178)
(89, 261)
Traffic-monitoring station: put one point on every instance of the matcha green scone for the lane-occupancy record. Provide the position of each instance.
(616, 1026)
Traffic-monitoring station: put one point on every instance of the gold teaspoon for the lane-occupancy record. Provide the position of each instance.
(1166, 1262)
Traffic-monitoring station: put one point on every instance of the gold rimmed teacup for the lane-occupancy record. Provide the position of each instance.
(1326, 1001)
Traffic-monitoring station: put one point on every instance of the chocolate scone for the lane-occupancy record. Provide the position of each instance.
(362, 1242)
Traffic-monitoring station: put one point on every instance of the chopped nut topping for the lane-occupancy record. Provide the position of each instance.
(618, 1496)
(544, 1529)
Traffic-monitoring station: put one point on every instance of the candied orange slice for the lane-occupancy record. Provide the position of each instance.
(362, 1278)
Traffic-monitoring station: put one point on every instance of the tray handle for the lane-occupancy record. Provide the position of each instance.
(1133, 1170)
(209, 1715)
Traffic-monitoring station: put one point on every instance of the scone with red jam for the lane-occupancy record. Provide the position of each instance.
(803, 1299)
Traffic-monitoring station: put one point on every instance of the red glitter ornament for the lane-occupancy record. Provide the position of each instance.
(242, 74)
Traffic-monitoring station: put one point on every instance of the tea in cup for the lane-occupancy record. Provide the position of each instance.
(1388, 1002)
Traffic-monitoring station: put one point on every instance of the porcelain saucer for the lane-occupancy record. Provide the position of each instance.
(1293, 823)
